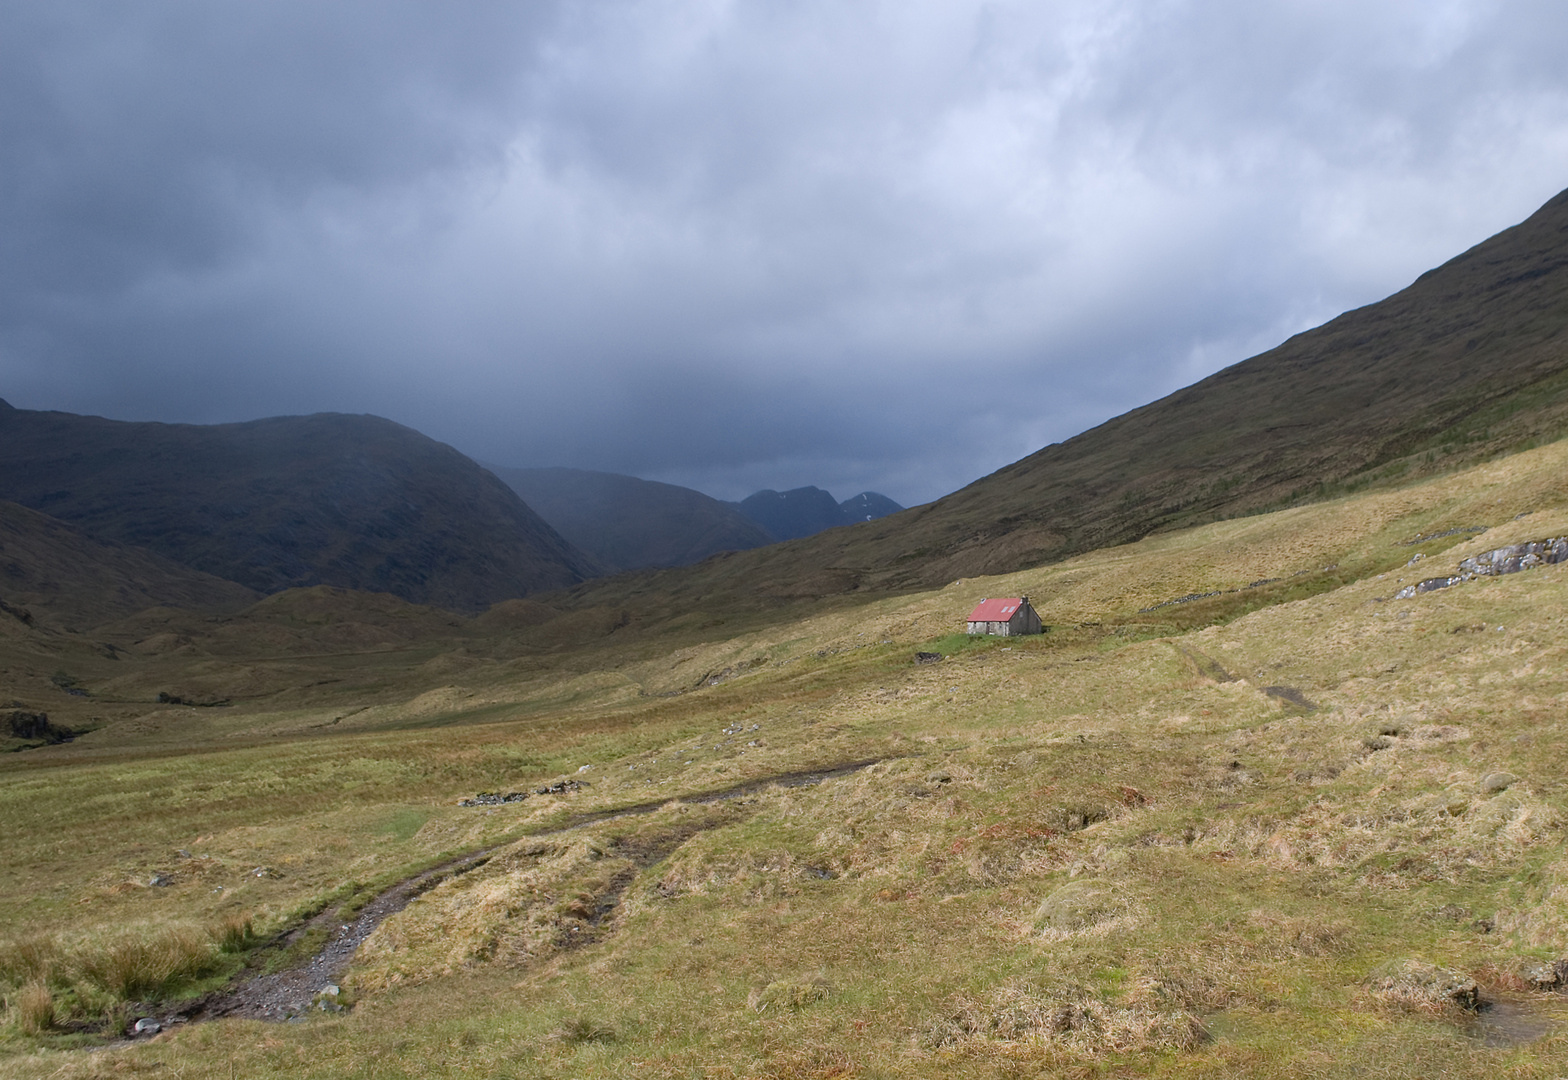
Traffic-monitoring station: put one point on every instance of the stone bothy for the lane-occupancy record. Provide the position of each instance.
(1006, 616)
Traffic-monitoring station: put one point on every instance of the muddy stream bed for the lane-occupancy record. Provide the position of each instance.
(291, 992)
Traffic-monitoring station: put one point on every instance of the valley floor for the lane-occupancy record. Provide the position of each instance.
(1291, 826)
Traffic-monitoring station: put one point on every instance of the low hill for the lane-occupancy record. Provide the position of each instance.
(626, 523)
(1468, 362)
(52, 574)
(352, 501)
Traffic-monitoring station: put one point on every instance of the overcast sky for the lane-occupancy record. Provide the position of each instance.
(887, 246)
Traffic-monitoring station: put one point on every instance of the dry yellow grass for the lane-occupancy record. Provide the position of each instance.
(1113, 848)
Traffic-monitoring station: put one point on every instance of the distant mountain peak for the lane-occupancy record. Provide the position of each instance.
(627, 523)
(806, 511)
(868, 506)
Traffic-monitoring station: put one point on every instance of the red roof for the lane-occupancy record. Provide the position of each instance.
(998, 610)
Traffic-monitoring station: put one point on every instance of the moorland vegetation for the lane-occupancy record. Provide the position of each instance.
(1230, 836)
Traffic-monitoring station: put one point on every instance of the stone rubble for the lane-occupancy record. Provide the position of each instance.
(496, 798)
(1504, 560)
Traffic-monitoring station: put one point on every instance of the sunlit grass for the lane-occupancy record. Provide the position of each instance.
(1254, 860)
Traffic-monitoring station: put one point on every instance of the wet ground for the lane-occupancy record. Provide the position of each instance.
(292, 992)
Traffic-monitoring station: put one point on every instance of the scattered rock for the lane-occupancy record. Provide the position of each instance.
(1429, 585)
(1543, 974)
(493, 798)
(160, 881)
(928, 657)
(1418, 984)
(496, 798)
(1516, 557)
(1492, 783)
(146, 1026)
(328, 998)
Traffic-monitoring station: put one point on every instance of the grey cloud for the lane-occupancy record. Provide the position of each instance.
(855, 245)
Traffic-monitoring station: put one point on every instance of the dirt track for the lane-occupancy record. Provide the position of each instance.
(291, 992)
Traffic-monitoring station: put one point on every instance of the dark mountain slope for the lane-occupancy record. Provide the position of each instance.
(1469, 361)
(789, 515)
(61, 577)
(868, 506)
(626, 523)
(353, 501)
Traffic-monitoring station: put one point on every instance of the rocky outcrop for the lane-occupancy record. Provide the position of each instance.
(1504, 560)
(33, 727)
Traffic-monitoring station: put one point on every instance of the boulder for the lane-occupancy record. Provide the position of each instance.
(1420, 984)
(1545, 975)
(1492, 783)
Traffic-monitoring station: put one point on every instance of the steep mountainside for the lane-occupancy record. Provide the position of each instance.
(353, 501)
(1468, 361)
(58, 576)
(626, 523)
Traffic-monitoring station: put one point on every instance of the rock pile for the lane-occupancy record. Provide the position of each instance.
(496, 798)
(1504, 560)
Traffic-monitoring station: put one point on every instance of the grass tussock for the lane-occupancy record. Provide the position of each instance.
(33, 1008)
(237, 934)
(782, 994)
(144, 964)
(581, 1030)
(94, 973)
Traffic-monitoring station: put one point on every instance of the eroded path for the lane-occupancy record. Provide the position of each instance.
(292, 991)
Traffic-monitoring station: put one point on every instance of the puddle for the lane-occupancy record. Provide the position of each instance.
(1509, 1023)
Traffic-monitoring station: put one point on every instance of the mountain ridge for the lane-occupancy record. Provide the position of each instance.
(354, 501)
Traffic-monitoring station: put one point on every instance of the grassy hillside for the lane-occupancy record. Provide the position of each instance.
(1213, 838)
(353, 501)
(625, 523)
(62, 578)
(1468, 362)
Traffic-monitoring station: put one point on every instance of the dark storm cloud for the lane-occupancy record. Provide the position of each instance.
(732, 245)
